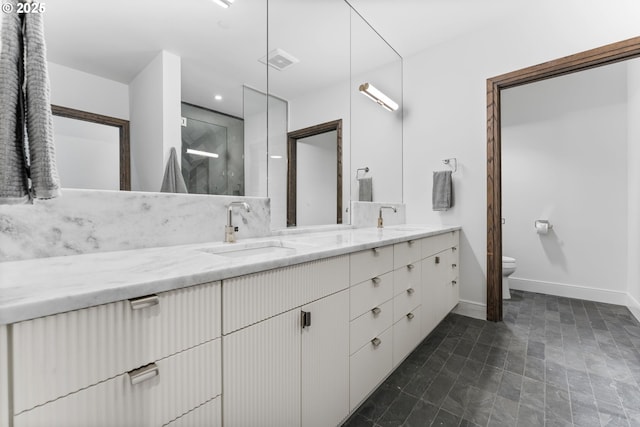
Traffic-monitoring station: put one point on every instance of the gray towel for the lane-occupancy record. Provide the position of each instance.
(442, 194)
(365, 189)
(26, 125)
(173, 181)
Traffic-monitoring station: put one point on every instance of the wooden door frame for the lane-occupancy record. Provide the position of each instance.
(292, 166)
(608, 54)
(123, 131)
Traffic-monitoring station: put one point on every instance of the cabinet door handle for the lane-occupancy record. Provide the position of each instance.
(410, 316)
(410, 291)
(144, 302)
(454, 249)
(437, 260)
(376, 342)
(143, 374)
(411, 266)
(453, 282)
(376, 310)
(305, 318)
(454, 265)
(376, 280)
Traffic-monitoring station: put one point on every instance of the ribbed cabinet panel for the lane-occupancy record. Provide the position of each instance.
(261, 374)
(207, 415)
(255, 297)
(4, 377)
(184, 382)
(60, 354)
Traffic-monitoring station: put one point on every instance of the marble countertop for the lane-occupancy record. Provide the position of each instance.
(45, 286)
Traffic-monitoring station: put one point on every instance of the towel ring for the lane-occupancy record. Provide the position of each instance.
(455, 163)
(365, 169)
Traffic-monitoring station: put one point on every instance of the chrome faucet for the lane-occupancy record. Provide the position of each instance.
(380, 222)
(229, 229)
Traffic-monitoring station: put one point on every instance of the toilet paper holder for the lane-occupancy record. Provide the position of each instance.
(542, 226)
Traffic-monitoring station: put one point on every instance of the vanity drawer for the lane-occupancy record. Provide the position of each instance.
(60, 354)
(405, 302)
(255, 297)
(370, 263)
(369, 366)
(207, 415)
(371, 293)
(369, 325)
(407, 277)
(168, 389)
(434, 244)
(406, 334)
(406, 253)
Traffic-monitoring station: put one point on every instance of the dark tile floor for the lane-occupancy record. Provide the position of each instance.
(553, 362)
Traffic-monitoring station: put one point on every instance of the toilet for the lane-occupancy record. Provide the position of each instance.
(508, 267)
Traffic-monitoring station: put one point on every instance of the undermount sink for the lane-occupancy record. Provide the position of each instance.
(239, 250)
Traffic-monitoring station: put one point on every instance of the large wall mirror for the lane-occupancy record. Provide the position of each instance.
(204, 80)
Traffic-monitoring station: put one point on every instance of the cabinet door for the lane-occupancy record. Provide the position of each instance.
(325, 362)
(261, 373)
(436, 290)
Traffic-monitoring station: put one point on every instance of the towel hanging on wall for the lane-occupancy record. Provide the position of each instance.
(173, 182)
(27, 153)
(442, 193)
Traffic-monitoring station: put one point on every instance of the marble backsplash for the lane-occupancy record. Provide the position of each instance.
(86, 221)
(365, 214)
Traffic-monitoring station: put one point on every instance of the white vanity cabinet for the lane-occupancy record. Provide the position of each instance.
(440, 288)
(122, 363)
(286, 346)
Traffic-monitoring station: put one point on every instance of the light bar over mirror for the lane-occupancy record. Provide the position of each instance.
(378, 97)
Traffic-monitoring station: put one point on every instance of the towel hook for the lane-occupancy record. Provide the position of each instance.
(365, 169)
(455, 163)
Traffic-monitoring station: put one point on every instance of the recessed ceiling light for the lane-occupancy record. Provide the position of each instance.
(218, 97)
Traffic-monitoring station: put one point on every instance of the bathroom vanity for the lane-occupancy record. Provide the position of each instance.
(279, 331)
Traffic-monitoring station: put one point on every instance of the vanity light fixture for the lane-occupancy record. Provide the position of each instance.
(223, 3)
(202, 153)
(378, 97)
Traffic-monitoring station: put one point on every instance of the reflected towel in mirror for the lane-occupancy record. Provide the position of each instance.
(365, 189)
(173, 182)
(442, 193)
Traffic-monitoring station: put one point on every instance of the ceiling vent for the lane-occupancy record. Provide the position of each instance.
(279, 59)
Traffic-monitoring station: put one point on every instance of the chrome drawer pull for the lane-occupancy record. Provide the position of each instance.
(453, 282)
(376, 311)
(437, 260)
(376, 342)
(411, 242)
(454, 265)
(142, 374)
(411, 266)
(410, 291)
(376, 251)
(454, 249)
(144, 302)
(376, 280)
(410, 316)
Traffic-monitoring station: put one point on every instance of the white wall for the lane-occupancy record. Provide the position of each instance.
(445, 108)
(316, 159)
(87, 92)
(564, 159)
(155, 120)
(633, 162)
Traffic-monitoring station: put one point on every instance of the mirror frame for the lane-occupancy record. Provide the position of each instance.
(292, 167)
(604, 55)
(123, 130)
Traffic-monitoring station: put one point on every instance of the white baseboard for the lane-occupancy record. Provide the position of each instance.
(634, 306)
(471, 309)
(569, 291)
